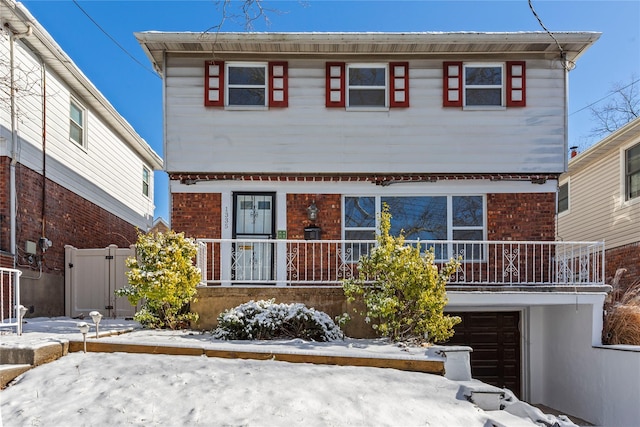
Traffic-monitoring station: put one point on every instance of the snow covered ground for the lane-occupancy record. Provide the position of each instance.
(120, 389)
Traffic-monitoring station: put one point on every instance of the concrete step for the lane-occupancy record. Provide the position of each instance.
(35, 353)
(9, 372)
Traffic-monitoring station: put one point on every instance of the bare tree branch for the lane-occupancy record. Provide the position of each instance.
(623, 107)
(246, 13)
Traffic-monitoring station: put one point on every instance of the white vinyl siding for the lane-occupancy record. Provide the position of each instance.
(598, 207)
(106, 172)
(307, 137)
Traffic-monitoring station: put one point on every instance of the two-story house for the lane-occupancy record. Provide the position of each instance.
(599, 198)
(72, 170)
(282, 149)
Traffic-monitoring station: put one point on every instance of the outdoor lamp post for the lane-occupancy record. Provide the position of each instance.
(84, 328)
(97, 317)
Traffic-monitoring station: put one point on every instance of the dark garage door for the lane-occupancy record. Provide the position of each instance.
(495, 339)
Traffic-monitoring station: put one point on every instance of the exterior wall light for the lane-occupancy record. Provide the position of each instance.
(312, 212)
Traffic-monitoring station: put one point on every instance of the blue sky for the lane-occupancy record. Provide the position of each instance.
(136, 92)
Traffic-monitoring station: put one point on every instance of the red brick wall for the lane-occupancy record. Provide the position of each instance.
(329, 215)
(197, 215)
(521, 216)
(4, 204)
(70, 220)
(627, 256)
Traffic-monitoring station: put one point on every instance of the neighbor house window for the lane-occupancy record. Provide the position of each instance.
(632, 172)
(422, 218)
(563, 197)
(145, 181)
(77, 123)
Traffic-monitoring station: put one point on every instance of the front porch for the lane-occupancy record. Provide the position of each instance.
(512, 264)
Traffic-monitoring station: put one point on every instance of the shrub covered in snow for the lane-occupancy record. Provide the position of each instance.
(263, 320)
(404, 293)
(162, 276)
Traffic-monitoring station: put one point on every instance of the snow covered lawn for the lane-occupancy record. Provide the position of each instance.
(118, 389)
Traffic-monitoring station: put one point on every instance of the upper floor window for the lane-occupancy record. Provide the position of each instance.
(367, 86)
(632, 172)
(77, 123)
(246, 84)
(563, 198)
(146, 174)
(484, 85)
(378, 86)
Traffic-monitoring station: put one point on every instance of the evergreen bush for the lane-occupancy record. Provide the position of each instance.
(162, 276)
(402, 289)
(265, 320)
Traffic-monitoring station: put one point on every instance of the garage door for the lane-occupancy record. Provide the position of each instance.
(495, 339)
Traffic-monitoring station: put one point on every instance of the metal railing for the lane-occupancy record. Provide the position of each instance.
(329, 262)
(10, 308)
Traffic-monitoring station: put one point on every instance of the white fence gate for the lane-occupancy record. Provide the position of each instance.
(92, 276)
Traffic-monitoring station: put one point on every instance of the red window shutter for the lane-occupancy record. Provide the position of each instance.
(335, 84)
(399, 84)
(214, 84)
(516, 84)
(278, 84)
(452, 84)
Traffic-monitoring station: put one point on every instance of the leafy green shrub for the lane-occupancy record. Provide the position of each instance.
(402, 289)
(163, 277)
(264, 320)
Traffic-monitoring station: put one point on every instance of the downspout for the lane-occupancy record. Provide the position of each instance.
(14, 137)
(44, 149)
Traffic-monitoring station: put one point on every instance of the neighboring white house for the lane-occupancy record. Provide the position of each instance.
(73, 171)
(601, 199)
(282, 148)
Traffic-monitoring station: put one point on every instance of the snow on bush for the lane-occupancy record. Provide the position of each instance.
(264, 320)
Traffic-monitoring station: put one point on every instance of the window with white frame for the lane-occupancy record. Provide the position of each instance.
(246, 84)
(632, 172)
(146, 174)
(423, 218)
(367, 85)
(563, 197)
(483, 85)
(77, 123)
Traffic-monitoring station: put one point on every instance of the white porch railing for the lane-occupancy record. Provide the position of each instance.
(328, 262)
(10, 315)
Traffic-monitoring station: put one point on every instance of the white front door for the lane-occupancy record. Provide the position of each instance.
(254, 219)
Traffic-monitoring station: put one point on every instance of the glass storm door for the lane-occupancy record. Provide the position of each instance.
(254, 219)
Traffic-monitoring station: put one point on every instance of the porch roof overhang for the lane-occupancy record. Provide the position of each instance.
(406, 45)
(17, 19)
